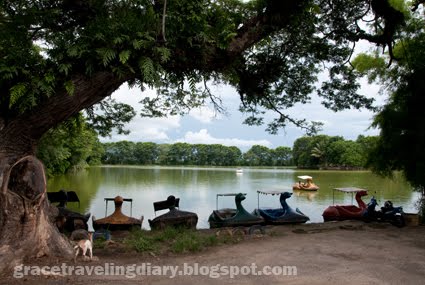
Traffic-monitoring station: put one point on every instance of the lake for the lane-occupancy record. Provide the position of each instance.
(197, 188)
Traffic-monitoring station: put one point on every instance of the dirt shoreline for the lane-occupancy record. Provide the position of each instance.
(346, 252)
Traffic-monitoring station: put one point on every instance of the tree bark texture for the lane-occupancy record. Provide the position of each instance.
(26, 217)
(27, 228)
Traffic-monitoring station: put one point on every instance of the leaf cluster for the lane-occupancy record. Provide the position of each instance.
(271, 51)
(401, 121)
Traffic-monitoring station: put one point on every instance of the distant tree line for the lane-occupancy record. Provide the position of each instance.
(326, 152)
(74, 145)
(145, 153)
(320, 151)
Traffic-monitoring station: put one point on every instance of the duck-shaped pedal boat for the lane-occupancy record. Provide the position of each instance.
(308, 185)
(347, 212)
(284, 215)
(234, 217)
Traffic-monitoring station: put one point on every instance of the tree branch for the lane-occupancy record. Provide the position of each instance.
(58, 108)
(276, 15)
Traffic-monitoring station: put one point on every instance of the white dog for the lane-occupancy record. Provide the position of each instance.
(84, 245)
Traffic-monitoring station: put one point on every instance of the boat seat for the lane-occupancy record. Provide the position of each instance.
(163, 205)
(225, 213)
(62, 196)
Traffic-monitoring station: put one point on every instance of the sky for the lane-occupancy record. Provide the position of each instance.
(206, 126)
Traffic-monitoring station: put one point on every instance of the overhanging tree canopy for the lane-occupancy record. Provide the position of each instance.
(401, 121)
(72, 54)
(61, 57)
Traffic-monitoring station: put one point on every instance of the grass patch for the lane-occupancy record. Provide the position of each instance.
(176, 240)
(140, 241)
(192, 241)
(99, 242)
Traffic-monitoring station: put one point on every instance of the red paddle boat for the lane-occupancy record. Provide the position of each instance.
(347, 212)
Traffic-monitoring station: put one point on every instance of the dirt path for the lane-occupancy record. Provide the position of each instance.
(331, 253)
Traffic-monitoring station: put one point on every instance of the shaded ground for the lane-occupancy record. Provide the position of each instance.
(330, 253)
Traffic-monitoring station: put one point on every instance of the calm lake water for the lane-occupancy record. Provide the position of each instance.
(197, 188)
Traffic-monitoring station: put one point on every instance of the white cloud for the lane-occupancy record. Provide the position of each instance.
(205, 114)
(132, 96)
(227, 129)
(203, 137)
(142, 129)
(147, 129)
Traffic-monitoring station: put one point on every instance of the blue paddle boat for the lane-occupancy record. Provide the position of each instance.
(278, 216)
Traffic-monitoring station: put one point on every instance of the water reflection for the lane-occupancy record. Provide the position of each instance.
(309, 194)
(197, 189)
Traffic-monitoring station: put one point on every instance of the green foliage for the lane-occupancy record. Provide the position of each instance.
(125, 152)
(372, 66)
(271, 51)
(308, 152)
(332, 152)
(302, 151)
(258, 155)
(106, 55)
(282, 156)
(401, 121)
(70, 146)
(119, 153)
(109, 115)
(400, 5)
(347, 153)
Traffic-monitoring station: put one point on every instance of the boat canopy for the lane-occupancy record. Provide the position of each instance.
(349, 189)
(225, 195)
(229, 194)
(267, 192)
(305, 177)
(270, 192)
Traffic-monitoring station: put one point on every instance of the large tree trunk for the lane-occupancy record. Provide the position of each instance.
(27, 230)
(26, 217)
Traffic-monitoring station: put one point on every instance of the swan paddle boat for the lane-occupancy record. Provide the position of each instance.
(233, 217)
(278, 216)
(347, 212)
(117, 221)
(305, 183)
(174, 217)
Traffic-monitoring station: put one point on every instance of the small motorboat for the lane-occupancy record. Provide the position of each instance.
(117, 221)
(347, 212)
(239, 171)
(174, 218)
(306, 183)
(279, 216)
(67, 219)
(233, 217)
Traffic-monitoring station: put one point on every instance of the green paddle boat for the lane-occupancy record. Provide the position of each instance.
(234, 217)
